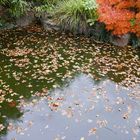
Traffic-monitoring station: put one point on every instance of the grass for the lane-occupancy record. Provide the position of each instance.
(73, 15)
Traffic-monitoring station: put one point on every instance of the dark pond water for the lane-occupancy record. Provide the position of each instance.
(60, 87)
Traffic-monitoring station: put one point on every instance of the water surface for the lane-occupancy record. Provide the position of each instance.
(55, 86)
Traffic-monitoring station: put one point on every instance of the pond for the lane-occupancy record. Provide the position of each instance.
(60, 87)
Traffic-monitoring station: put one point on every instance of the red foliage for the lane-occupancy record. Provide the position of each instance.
(136, 28)
(120, 16)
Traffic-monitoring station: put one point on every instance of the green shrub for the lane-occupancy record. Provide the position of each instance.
(3, 1)
(91, 8)
(46, 1)
(74, 14)
(15, 7)
(18, 7)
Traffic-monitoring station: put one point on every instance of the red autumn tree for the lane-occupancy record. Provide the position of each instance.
(120, 16)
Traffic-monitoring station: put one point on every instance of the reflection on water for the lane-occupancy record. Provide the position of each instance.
(82, 109)
(60, 87)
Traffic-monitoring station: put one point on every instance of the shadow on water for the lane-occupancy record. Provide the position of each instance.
(56, 86)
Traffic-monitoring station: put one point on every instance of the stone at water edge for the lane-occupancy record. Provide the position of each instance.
(26, 19)
(48, 23)
(121, 40)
